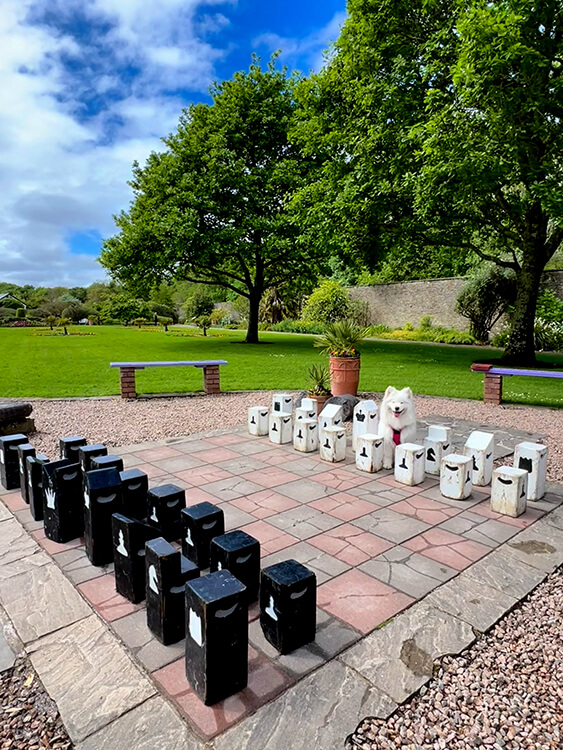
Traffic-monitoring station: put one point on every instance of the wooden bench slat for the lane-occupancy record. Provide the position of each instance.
(528, 373)
(194, 363)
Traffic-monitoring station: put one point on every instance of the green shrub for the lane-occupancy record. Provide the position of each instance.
(437, 335)
(548, 335)
(199, 304)
(485, 298)
(328, 303)
(549, 307)
(378, 330)
(359, 312)
(408, 327)
(298, 326)
(20, 313)
(425, 323)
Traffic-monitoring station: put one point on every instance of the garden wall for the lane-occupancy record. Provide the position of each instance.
(394, 305)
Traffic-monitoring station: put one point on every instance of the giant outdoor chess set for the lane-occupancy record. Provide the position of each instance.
(338, 545)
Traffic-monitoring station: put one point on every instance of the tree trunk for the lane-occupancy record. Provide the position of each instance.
(252, 330)
(521, 348)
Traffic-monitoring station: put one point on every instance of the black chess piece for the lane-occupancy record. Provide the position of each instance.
(135, 488)
(102, 498)
(239, 553)
(87, 452)
(63, 510)
(216, 636)
(164, 505)
(35, 484)
(129, 538)
(24, 450)
(69, 447)
(200, 524)
(9, 462)
(109, 461)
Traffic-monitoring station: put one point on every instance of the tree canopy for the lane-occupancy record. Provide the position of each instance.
(438, 123)
(213, 207)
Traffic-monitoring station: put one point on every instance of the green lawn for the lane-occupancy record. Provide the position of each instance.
(51, 366)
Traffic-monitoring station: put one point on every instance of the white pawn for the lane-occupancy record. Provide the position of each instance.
(533, 458)
(331, 416)
(455, 476)
(481, 447)
(258, 420)
(409, 463)
(369, 452)
(508, 491)
(436, 444)
(332, 443)
(306, 436)
(282, 403)
(281, 430)
(365, 420)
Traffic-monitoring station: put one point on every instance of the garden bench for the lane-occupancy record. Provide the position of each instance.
(210, 373)
(494, 376)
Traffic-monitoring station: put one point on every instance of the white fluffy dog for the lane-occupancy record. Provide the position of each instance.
(397, 422)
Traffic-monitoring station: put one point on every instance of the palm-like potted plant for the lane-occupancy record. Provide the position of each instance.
(342, 341)
(319, 390)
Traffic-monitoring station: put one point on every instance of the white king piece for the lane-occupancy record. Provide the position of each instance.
(455, 476)
(282, 403)
(369, 452)
(258, 420)
(365, 420)
(281, 428)
(332, 443)
(480, 446)
(437, 444)
(409, 463)
(533, 458)
(306, 435)
(508, 491)
(331, 416)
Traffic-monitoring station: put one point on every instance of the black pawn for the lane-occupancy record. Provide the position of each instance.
(167, 572)
(216, 636)
(63, 506)
(134, 487)
(129, 539)
(35, 484)
(102, 498)
(9, 463)
(288, 605)
(164, 505)
(200, 524)
(24, 450)
(87, 452)
(107, 462)
(239, 553)
(69, 447)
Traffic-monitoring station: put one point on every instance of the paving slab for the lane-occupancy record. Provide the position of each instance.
(472, 601)
(15, 542)
(398, 659)
(40, 601)
(89, 676)
(318, 712)
(23, 565)
(7, 655)
(540, 546)
(153, 725)
(502, 571)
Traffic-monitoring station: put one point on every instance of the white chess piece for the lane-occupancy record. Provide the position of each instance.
(153, 580)
(194, 627)
(50, 498)
(121, 548)
(153, 516)
(270, 609)
(189, 539)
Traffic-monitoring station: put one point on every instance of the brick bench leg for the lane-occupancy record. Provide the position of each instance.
(127, 382)
(211, 382)
(493, 389)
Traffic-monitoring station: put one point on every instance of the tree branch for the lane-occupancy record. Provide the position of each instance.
(514, 265)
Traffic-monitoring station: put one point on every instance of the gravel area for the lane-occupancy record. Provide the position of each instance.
(115, 422)
(29, 718)
(504, 693)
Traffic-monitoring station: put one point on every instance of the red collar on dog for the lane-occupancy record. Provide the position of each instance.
(396, 436)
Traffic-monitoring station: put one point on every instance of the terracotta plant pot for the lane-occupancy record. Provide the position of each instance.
(321, 400)
(344, 375)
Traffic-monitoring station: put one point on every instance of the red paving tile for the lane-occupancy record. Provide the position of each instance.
(54, 547)
(526, 519)
(228, 439)
(102, 595)
(157, 454)
(14, 501)
(271, 539)
(426, 510)
(215, 455)
(265, 681)
(264, 504)
(151, 471)
(340, 479)
(271, 477)
(390, 481)
(350, 544)
(202, 475)
(194, 496)
(275, 457)
(447, 548)
(360, 600)
(343, 506)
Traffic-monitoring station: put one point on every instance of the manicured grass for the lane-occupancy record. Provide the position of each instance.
(58, 366)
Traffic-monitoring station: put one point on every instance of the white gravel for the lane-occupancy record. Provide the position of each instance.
(505, 693)
(115, 422)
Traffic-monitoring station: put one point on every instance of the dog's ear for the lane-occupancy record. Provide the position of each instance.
(389, 391)
(408, 392)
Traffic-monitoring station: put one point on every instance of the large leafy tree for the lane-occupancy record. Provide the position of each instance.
(213, 207)
(439, 124)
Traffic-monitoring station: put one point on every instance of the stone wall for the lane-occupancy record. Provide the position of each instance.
(394, 305)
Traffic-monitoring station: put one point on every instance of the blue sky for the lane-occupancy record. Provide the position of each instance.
(88, 86)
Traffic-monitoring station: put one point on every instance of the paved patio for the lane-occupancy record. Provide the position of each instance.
(377, 548)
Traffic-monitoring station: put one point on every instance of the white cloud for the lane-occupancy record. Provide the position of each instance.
(311, 48)
(66, 147)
